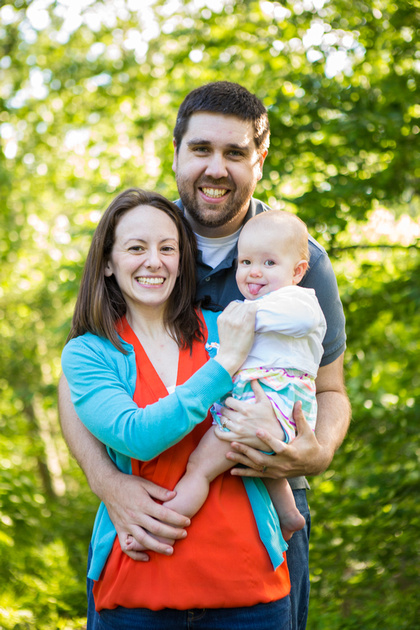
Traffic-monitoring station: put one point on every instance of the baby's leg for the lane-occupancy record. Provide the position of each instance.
(206, 462)
(291, 520)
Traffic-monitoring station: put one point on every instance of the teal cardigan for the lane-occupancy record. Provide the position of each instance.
(102, 382)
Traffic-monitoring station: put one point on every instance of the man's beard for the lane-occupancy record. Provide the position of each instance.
(216, 216)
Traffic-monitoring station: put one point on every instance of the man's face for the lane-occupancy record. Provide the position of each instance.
(217, 167)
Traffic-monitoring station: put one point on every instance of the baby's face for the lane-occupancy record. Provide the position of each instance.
(263, 266)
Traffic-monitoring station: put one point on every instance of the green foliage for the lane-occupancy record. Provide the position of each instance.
(87, 109)
(364, 507)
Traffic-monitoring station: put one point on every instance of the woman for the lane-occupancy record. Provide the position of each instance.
(142, 382)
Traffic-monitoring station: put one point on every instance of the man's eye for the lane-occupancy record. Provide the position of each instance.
(236, 154)
(269, 263)
(200, 149)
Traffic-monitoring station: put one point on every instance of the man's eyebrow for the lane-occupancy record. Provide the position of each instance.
(231, 145)
(194, 141)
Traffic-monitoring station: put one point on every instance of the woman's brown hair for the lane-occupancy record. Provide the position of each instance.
(100, 303)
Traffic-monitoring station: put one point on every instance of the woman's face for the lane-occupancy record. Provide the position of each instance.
(145, 257)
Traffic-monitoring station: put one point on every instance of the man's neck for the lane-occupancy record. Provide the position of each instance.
(226, 229)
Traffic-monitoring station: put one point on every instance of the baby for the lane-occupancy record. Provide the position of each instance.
(290, 326)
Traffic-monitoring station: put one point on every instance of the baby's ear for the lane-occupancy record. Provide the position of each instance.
(299, 271)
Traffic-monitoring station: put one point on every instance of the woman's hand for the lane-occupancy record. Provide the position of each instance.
(243, 419)
(236, 334)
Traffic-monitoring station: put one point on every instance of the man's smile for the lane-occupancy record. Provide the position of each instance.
(215, 193)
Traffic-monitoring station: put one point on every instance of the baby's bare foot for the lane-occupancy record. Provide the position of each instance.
(291, 522)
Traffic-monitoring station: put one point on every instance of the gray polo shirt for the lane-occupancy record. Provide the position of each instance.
(217, 287)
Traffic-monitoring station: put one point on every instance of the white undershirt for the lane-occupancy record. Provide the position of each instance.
(215, 250)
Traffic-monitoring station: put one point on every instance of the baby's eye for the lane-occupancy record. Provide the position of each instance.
(245, 261)
(269, 263)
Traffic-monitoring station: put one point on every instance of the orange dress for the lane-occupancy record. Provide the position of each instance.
(222, 562)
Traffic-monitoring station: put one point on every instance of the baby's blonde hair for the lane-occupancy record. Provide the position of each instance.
(294, 233)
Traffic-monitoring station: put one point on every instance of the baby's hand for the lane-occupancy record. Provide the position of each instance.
(244, 419)
(131, 543)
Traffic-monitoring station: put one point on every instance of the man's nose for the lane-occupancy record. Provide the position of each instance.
(216, 166)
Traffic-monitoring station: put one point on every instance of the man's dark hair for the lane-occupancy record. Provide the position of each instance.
(231, 99)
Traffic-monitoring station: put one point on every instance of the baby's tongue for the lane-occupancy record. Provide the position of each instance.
(254, 288)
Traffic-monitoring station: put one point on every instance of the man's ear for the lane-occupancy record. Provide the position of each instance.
(174, 163)
(261, 158)
(108, 271)
(299, 271)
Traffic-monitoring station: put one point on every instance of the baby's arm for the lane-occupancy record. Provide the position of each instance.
(206, 463)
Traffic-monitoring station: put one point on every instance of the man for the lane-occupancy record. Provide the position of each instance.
(221, 140)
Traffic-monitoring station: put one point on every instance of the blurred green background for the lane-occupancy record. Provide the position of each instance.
(88, 96)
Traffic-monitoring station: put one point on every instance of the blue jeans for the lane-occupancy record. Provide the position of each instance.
(92, 615)
(297, 560)
(273, 616)
(298, 563)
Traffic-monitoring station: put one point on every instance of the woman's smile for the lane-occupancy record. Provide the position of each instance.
(145, 258)
(150, 280)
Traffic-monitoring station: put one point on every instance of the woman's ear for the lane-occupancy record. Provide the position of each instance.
(299, 271)
(108, 269)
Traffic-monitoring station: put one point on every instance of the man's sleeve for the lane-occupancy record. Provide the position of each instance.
(321, 278)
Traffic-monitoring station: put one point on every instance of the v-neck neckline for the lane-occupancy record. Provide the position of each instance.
(144, 364)
(187, 365)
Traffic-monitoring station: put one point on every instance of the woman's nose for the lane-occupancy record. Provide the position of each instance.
(153, 259)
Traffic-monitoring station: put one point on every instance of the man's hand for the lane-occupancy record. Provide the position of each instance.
(132, 504)
(309, 453)
(303, 456)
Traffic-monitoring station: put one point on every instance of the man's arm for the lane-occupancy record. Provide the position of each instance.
(334, 412)
(130, 501)
(309, 453)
